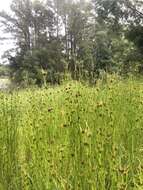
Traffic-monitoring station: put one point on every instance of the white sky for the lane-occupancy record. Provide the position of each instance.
(5, 4)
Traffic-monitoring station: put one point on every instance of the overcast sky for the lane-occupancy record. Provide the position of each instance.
(5, 4)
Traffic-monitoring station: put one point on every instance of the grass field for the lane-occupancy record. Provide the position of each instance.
(73, 137)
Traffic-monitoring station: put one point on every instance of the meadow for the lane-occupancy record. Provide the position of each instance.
(73, 137)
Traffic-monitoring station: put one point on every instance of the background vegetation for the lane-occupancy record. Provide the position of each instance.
(83, 38)
(4, 71)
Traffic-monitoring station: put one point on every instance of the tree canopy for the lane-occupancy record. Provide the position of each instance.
(82, 38)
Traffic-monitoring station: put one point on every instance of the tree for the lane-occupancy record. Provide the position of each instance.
(39, 50)
(80, 37)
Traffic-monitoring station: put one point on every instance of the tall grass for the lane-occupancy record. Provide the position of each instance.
(72, 137)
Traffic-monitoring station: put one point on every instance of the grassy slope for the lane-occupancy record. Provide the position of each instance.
(72, 137)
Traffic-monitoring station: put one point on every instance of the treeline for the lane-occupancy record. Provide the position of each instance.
(4, 71)
(83, 38)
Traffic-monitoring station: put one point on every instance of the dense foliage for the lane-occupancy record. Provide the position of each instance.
(73, 137)
(4, 70)
(78, 37)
